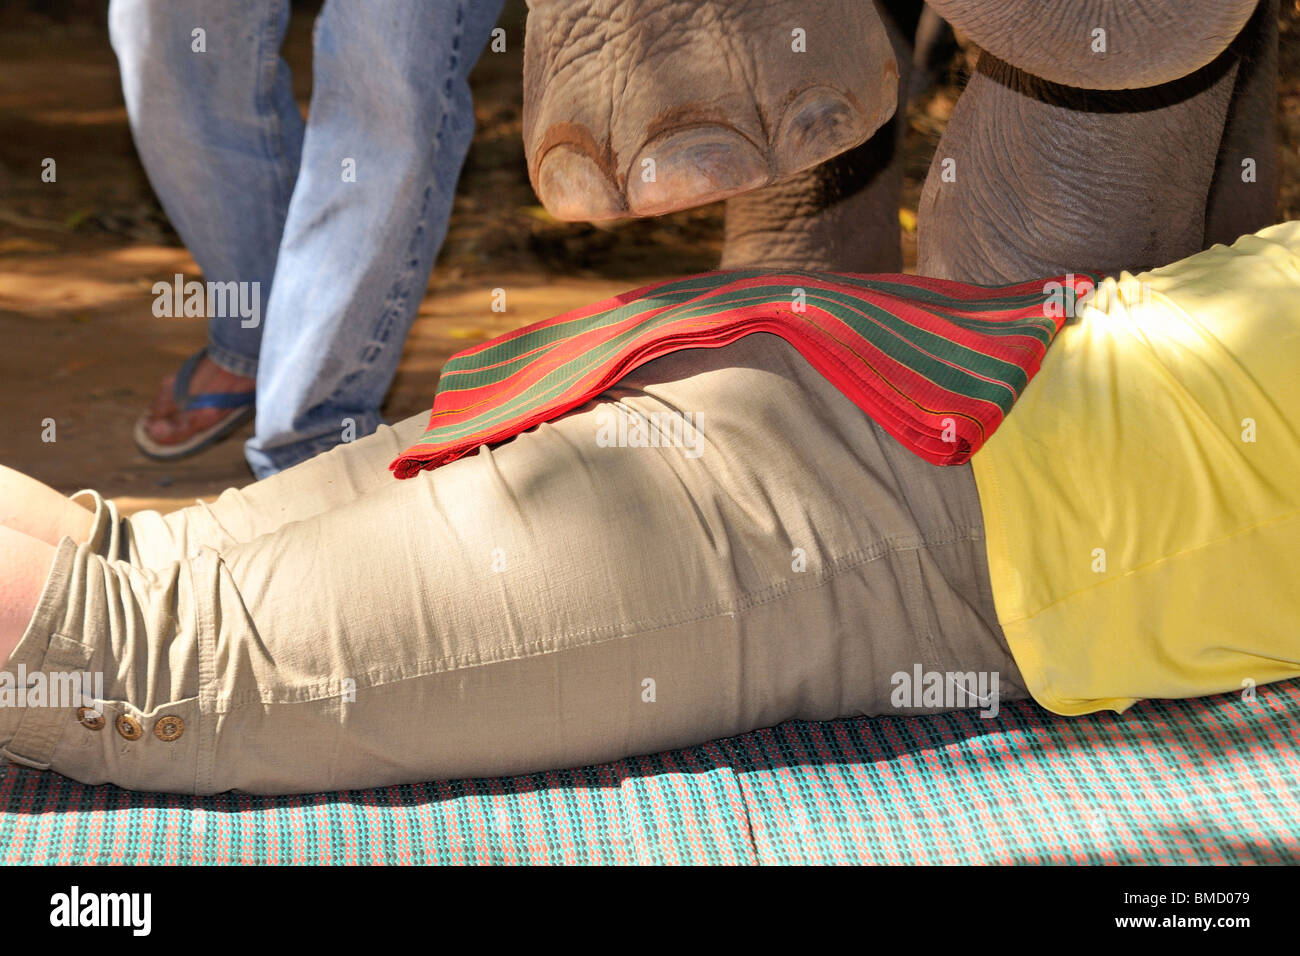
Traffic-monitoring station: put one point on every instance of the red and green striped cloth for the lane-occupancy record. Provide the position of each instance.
(937, 364)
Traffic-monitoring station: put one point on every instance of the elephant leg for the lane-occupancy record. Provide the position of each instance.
(1031, 178)
(1243, 197)
(841, 216)
(931, 32)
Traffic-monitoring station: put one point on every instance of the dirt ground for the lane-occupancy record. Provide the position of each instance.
(78, 258)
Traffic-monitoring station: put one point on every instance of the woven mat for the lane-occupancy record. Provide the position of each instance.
(1215, 780)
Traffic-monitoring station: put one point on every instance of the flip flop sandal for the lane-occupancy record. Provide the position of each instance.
(239, 403)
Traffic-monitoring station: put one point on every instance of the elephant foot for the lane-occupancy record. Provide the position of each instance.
(640, 109)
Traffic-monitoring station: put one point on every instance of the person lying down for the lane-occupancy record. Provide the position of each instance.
(571, 596)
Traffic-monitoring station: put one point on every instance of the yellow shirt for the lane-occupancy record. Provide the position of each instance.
(1142, 499)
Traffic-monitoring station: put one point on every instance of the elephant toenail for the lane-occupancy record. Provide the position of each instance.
(822, 123)
(573, 188)
(692, 166)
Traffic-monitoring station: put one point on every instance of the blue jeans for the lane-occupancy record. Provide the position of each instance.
(338, 219)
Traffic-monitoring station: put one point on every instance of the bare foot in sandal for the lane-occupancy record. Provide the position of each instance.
(166, 429)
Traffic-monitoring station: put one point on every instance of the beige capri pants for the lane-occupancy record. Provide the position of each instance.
(556, 601)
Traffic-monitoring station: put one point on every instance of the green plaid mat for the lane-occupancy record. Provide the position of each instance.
(1215, 780)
